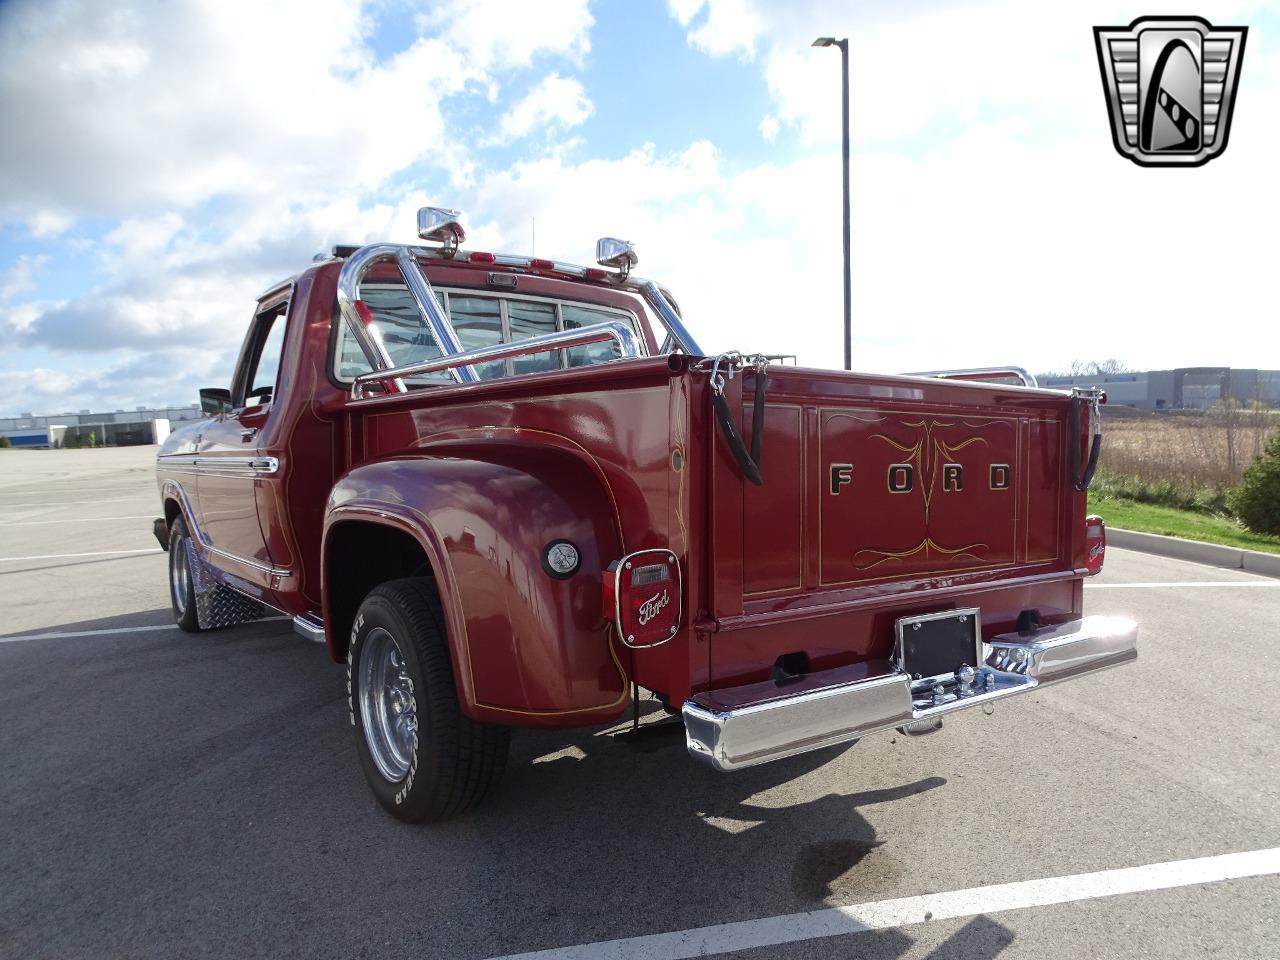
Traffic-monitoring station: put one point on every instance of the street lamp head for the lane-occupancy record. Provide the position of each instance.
(824, 41)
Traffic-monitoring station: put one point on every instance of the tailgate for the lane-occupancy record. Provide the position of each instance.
(888, 487)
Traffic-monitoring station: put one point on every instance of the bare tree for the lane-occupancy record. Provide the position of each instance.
(1091, 368)
(1097, 368)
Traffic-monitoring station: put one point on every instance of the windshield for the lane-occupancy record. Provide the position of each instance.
(480, 320)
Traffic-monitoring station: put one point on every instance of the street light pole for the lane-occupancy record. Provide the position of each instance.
(843, 44)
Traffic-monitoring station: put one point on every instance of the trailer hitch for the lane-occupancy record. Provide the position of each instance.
(1094, 399)
(722, 369)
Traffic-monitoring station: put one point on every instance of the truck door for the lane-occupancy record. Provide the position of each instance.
(232, 463)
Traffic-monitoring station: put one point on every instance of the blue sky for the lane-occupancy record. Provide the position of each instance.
(164, 161)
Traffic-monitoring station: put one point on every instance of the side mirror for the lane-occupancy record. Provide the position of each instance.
(215, 400)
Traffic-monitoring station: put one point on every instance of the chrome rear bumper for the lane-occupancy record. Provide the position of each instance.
(743, 726)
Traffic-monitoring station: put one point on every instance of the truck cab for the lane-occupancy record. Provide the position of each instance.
(509, 492)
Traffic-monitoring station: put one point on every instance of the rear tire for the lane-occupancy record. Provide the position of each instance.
(182, 593)
(422, 757)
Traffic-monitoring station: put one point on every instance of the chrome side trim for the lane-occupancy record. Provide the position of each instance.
(246, 466)
(1028, 380)
(629, 345)
(744, 726)
(309, 626)
(175, 488)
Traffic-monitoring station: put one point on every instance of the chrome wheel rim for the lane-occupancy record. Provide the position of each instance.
(388, 711)
(180, 574)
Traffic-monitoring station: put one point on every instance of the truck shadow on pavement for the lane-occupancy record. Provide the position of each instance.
(118, 743)
(762, 841)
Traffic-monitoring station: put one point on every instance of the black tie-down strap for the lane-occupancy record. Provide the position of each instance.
(748, 463)
(1080, 480)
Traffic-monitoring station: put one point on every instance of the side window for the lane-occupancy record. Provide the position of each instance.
(256, 381)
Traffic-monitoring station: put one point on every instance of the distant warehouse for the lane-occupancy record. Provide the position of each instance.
(1187, 388)
(119, 428)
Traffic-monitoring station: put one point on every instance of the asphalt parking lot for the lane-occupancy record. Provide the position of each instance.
(169, 795)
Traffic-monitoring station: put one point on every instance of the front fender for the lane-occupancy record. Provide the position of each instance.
(528, 649)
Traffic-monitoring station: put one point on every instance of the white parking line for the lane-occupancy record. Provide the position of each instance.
(149, 495)
(70, 556)
(907, 911)
(1176, 583)
(72, 634)
(36, 523)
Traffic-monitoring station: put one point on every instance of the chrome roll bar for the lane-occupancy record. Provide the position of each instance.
(977, 373)
(367, 334)
(460, 362)
(617, 331)
(677, 332)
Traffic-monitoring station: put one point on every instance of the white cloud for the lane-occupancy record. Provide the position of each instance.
(292, 129)
(992, 220)
(685, 10)
(917, 68)
(20, 277)
(46, 224)
(503, 34)
(111, 111)
(730, 26)
(557, 102)
(155, 379)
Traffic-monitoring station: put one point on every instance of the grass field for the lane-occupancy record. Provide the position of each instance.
(1170, 473)
(1171, 522)
(1188, 450)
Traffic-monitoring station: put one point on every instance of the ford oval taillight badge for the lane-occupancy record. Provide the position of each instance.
(642, 597)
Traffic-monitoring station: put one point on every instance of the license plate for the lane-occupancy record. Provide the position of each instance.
(938, 644)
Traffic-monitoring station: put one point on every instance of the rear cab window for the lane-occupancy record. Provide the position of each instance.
(481, 319)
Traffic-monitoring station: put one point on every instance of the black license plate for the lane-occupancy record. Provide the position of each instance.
(938, 644)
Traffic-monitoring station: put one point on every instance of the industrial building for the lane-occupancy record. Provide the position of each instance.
(116, 429)
(1186, 388)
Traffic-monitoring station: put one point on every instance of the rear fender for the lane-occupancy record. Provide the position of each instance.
(528, 648)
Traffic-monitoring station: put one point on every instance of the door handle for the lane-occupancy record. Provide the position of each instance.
(248, 434)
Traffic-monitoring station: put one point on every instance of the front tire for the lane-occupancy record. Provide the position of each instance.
(182, 593)
(422, 757)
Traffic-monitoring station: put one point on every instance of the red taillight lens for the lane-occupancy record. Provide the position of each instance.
(1095, 544)
(595, 273)
(642, 597)
(539, 264)
(479, 256)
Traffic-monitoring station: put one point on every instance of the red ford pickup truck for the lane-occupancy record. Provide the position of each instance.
(510, 492)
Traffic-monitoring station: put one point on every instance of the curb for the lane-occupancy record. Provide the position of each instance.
(1235, 558)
